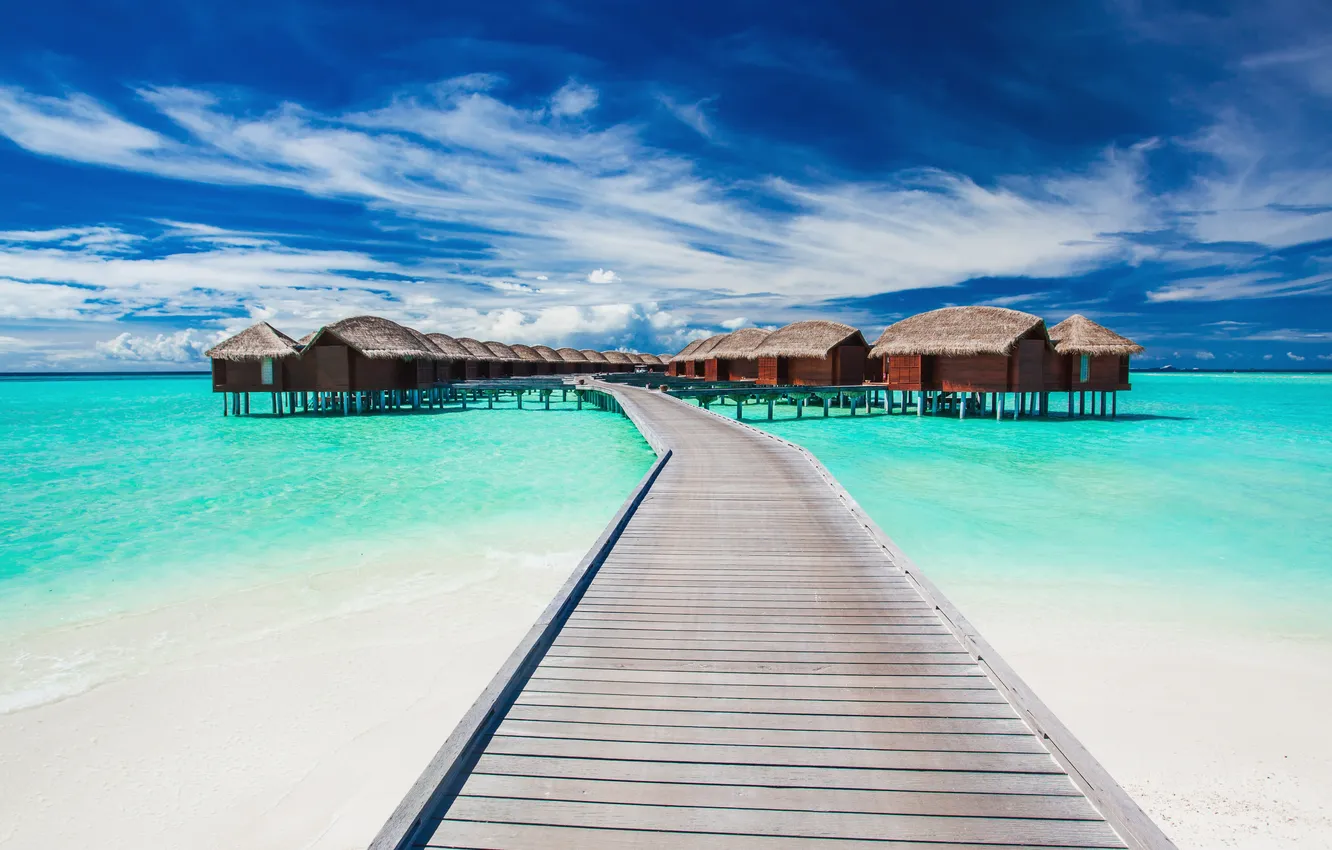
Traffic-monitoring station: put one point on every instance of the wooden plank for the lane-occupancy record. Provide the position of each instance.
(755, 653)
(784, 798)
(867, 741)
(933, 760)
(822, 668)
(1031, 832)
(474, 835)
(782, 776)
(793, 681)
(739, 719)
(758, 706)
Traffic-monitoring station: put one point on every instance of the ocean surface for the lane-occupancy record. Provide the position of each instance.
(123, 494)
(1207, 502)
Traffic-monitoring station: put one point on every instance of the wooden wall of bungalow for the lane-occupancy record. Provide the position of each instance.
(1029, 367)
(265, 374)
(329, 364)
(788, 357)
(968, 349)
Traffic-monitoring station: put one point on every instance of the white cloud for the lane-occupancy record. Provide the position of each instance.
(602, 276)
(1325, 357)
(735, 323)
(1239, 286)
(573, 98)
(690, 114)
(181, 347)
(1205, 355)
(536, 186)
(1267, 357)
(1293, 356)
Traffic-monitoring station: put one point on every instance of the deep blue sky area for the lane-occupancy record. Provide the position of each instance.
(629, 174)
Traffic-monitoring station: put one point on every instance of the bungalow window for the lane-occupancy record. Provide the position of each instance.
(266, 371)
(1084, 368)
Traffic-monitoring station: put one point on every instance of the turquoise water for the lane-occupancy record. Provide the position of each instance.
(116, 490)
(1209, 498)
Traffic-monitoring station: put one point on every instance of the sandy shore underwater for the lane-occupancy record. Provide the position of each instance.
(294, 714)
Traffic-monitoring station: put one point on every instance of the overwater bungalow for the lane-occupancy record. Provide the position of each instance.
(251, 361)
(365, 354)
(577, 361)
(487, 364)
(652, 362)
(965, 350)
(506, 359)
(598, 361)
(696, 361)
(1088, 357)
(529, 362)
(812, 353)
(554, 363)
(619, 361)
(731, 358)
(461, 365)
(678, 365)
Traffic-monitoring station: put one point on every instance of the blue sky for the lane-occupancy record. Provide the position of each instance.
(626, 174)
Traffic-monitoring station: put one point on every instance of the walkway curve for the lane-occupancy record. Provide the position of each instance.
(745, 660)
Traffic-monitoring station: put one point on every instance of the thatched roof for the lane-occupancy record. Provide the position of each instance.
(704, 349)
(815, 339)
(1080, 335)
(593, 356)
(526, 354)
(619, 357)
(436, 353)
(649, 359)
(450, 347)
(957, 332)
(477, 349)
(305, 340)
(378, 338)
(571, 355)
(739, 344)
(548, 354)
(501, 351)
(683, 356)
(257, 342)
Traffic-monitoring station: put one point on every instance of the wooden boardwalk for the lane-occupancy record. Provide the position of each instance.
(744, 661)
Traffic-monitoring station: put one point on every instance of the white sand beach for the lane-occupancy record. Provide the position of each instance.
(290, 715)
(1218, 733)
(296, 714)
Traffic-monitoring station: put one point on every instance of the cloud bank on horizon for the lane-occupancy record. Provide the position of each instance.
(626, 180)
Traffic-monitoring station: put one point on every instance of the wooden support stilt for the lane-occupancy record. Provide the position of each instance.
(770, 409)
(225, 402)
(920, 404)
(1103, 395)
(800, 408)
(1114, 404)
(1017, 405)
(825, 406)
(1082, 404)
(247, 404)
(520, 399)
(962, 408)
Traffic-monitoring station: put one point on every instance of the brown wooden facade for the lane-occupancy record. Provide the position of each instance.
(1025, 369)
(844, 366)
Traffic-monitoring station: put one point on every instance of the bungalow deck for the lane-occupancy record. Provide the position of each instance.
(744, 660)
